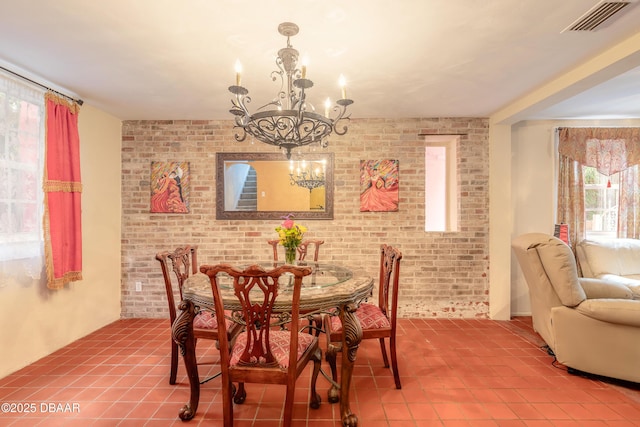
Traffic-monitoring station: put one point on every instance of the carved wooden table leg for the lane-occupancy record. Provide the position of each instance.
(351, 341)
(182, 332)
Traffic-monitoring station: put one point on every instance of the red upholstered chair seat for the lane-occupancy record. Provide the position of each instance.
(279, 347)
(378, 321)
(207, 320)
(369, 315)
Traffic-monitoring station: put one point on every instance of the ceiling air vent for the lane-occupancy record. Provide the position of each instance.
(597, 15)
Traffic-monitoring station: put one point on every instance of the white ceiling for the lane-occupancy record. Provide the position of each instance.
(164, 59)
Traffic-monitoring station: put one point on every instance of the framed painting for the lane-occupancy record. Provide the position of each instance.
(170, 187)
(379, 185)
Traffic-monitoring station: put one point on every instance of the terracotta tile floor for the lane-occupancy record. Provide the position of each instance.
(454, 373)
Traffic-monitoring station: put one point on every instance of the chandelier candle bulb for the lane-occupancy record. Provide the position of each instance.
(327, 107)
(238, 69)
(343, 86)
(305, 62)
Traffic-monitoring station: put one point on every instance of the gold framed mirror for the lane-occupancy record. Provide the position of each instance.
(268, 186)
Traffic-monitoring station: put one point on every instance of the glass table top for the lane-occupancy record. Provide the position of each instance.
(327, 286)
(322, 276)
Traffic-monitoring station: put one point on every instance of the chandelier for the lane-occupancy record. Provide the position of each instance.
(306, 177)
(288, 121)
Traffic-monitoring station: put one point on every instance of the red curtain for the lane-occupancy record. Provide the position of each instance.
(62, 188)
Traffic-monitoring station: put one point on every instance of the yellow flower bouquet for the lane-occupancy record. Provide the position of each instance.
(290, 235)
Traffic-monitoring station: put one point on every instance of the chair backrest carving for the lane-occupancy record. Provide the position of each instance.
(303, 249)
(180, 263)
(389, 275)
(257, 290)
(274, 244)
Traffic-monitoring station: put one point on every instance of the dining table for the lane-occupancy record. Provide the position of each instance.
(331, 288)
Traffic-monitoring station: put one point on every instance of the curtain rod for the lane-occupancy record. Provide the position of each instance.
(78, 101)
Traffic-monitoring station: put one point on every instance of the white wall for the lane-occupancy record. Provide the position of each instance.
(533, 194)
(533, 190)
(37, 321)
(500, 221)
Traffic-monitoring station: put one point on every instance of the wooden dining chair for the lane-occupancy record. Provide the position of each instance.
(316, 320)
(303, 249)
(305, 246)
(378, 321)
(177, 266)
(264, 352)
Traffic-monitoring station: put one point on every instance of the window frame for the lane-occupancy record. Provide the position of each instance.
(603, 187)
(446, 198)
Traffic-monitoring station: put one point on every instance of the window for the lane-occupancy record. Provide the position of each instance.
(593, 205)
(21, 154)
(441, 196)
(601, 199)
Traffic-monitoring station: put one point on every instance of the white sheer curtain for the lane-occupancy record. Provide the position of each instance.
(21, 195)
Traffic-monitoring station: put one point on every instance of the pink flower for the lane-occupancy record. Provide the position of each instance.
(287, 223)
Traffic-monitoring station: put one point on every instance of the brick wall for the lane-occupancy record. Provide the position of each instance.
(442, 274)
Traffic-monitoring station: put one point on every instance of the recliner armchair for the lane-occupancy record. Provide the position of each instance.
(591, 325)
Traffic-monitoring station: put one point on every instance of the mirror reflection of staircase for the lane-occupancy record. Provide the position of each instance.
(248, 200)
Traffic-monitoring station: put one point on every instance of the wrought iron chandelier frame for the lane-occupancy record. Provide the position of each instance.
(291, 122)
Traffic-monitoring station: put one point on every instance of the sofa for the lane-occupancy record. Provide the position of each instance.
(590, 324)
(614, 260)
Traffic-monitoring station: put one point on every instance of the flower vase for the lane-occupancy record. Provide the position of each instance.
(290, 254)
